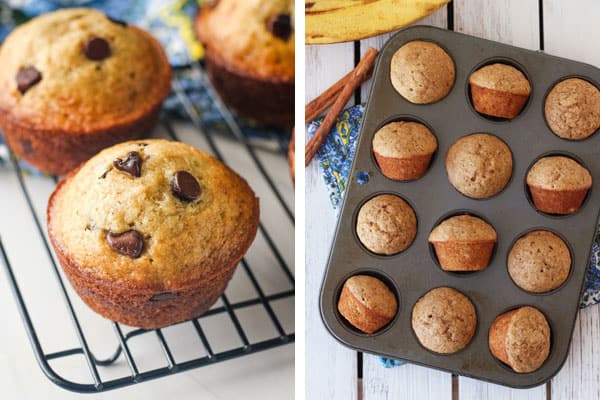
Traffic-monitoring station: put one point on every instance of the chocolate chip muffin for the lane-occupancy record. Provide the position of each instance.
(463, 243)
(73, 82)
(572, 109)
(422, 72)
(479, 165)
(558, 184)
(403, 149)
(499, 90)
(150, 232)
(367, 303)
(521, 339)
(539, 262)
(386, 224)
(444, 320)
(250, 56)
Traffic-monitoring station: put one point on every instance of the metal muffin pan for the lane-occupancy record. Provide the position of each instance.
(414, 272)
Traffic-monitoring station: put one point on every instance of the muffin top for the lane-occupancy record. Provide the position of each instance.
(152, 214)
(559, 173)
(404, 139)
(539, 262)
(479, 165)
(527, 340)
(572, 109)
(253, 37)
(422, 72)
(77, 70)
(444, 320)
(501, 77)
(386, 224)
(463, 228)
(373, 294)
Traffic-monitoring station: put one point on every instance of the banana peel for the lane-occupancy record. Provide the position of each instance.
(334, 21)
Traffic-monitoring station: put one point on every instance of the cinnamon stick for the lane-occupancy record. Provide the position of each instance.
(356, 77)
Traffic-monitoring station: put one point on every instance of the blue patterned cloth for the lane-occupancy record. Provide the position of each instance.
(335, 159)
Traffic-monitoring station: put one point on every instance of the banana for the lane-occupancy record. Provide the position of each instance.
(333, 21)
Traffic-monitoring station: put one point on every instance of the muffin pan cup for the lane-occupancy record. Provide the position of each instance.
(414, 272)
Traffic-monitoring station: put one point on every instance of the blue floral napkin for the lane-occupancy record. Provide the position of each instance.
(335, 159)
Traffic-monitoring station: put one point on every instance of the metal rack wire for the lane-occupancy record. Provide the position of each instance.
(228, 308)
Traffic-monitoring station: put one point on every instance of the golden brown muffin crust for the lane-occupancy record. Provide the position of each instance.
(237, 32)
(444, 320)
(184, 241)
(539, 262)
(386, 224)
(501, 77)
(463, 228)
(373, 294)
(527, 340)
(559, 173)
(422, 72)
(572, 109)
(76, 93)
(403, 139)
(479, 165)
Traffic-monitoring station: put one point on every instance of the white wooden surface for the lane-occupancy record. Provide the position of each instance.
(265, 375)
(571, 30)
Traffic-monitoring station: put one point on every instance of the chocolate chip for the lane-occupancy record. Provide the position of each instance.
(129, 243)
(117, 21)
(97, 49)
(164, 296)
(185, 186)
(132, 164)
(27, 77)
(281, 26)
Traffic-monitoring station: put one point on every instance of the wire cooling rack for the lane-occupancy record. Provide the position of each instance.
(263, 282)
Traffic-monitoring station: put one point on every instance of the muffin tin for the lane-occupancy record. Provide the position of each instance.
(413, 272)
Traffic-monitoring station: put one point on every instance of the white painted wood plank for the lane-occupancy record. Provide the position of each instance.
(408, 381)
(571, 29)
(438, 18)
(580, 376)
(511, 21)
(331, 370)
(514, 22)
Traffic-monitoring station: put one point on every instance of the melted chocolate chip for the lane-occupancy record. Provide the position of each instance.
(281, 26)
(96, 49)
(132, 164)
(117, 21)
(185, 186)
(129, 243)
(164, 296)
(27, 77)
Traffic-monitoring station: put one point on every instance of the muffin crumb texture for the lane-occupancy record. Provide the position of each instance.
(572, 109)
(444, 320)
(367, 303)
(386, 224)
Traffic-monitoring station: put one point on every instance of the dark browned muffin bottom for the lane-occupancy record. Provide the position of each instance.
(58, 152)
(268, 102)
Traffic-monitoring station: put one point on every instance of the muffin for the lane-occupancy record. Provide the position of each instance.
(558, 185)
(572, 109)
(403, 149)
(75, 81)
(479, 165)
(521, 339)
(463, 243)
(250, 56)
(367, 303)
(150, 232)
(539, 262)
(422, 72)
(386, 224)
(499, 90)
(444, 320)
